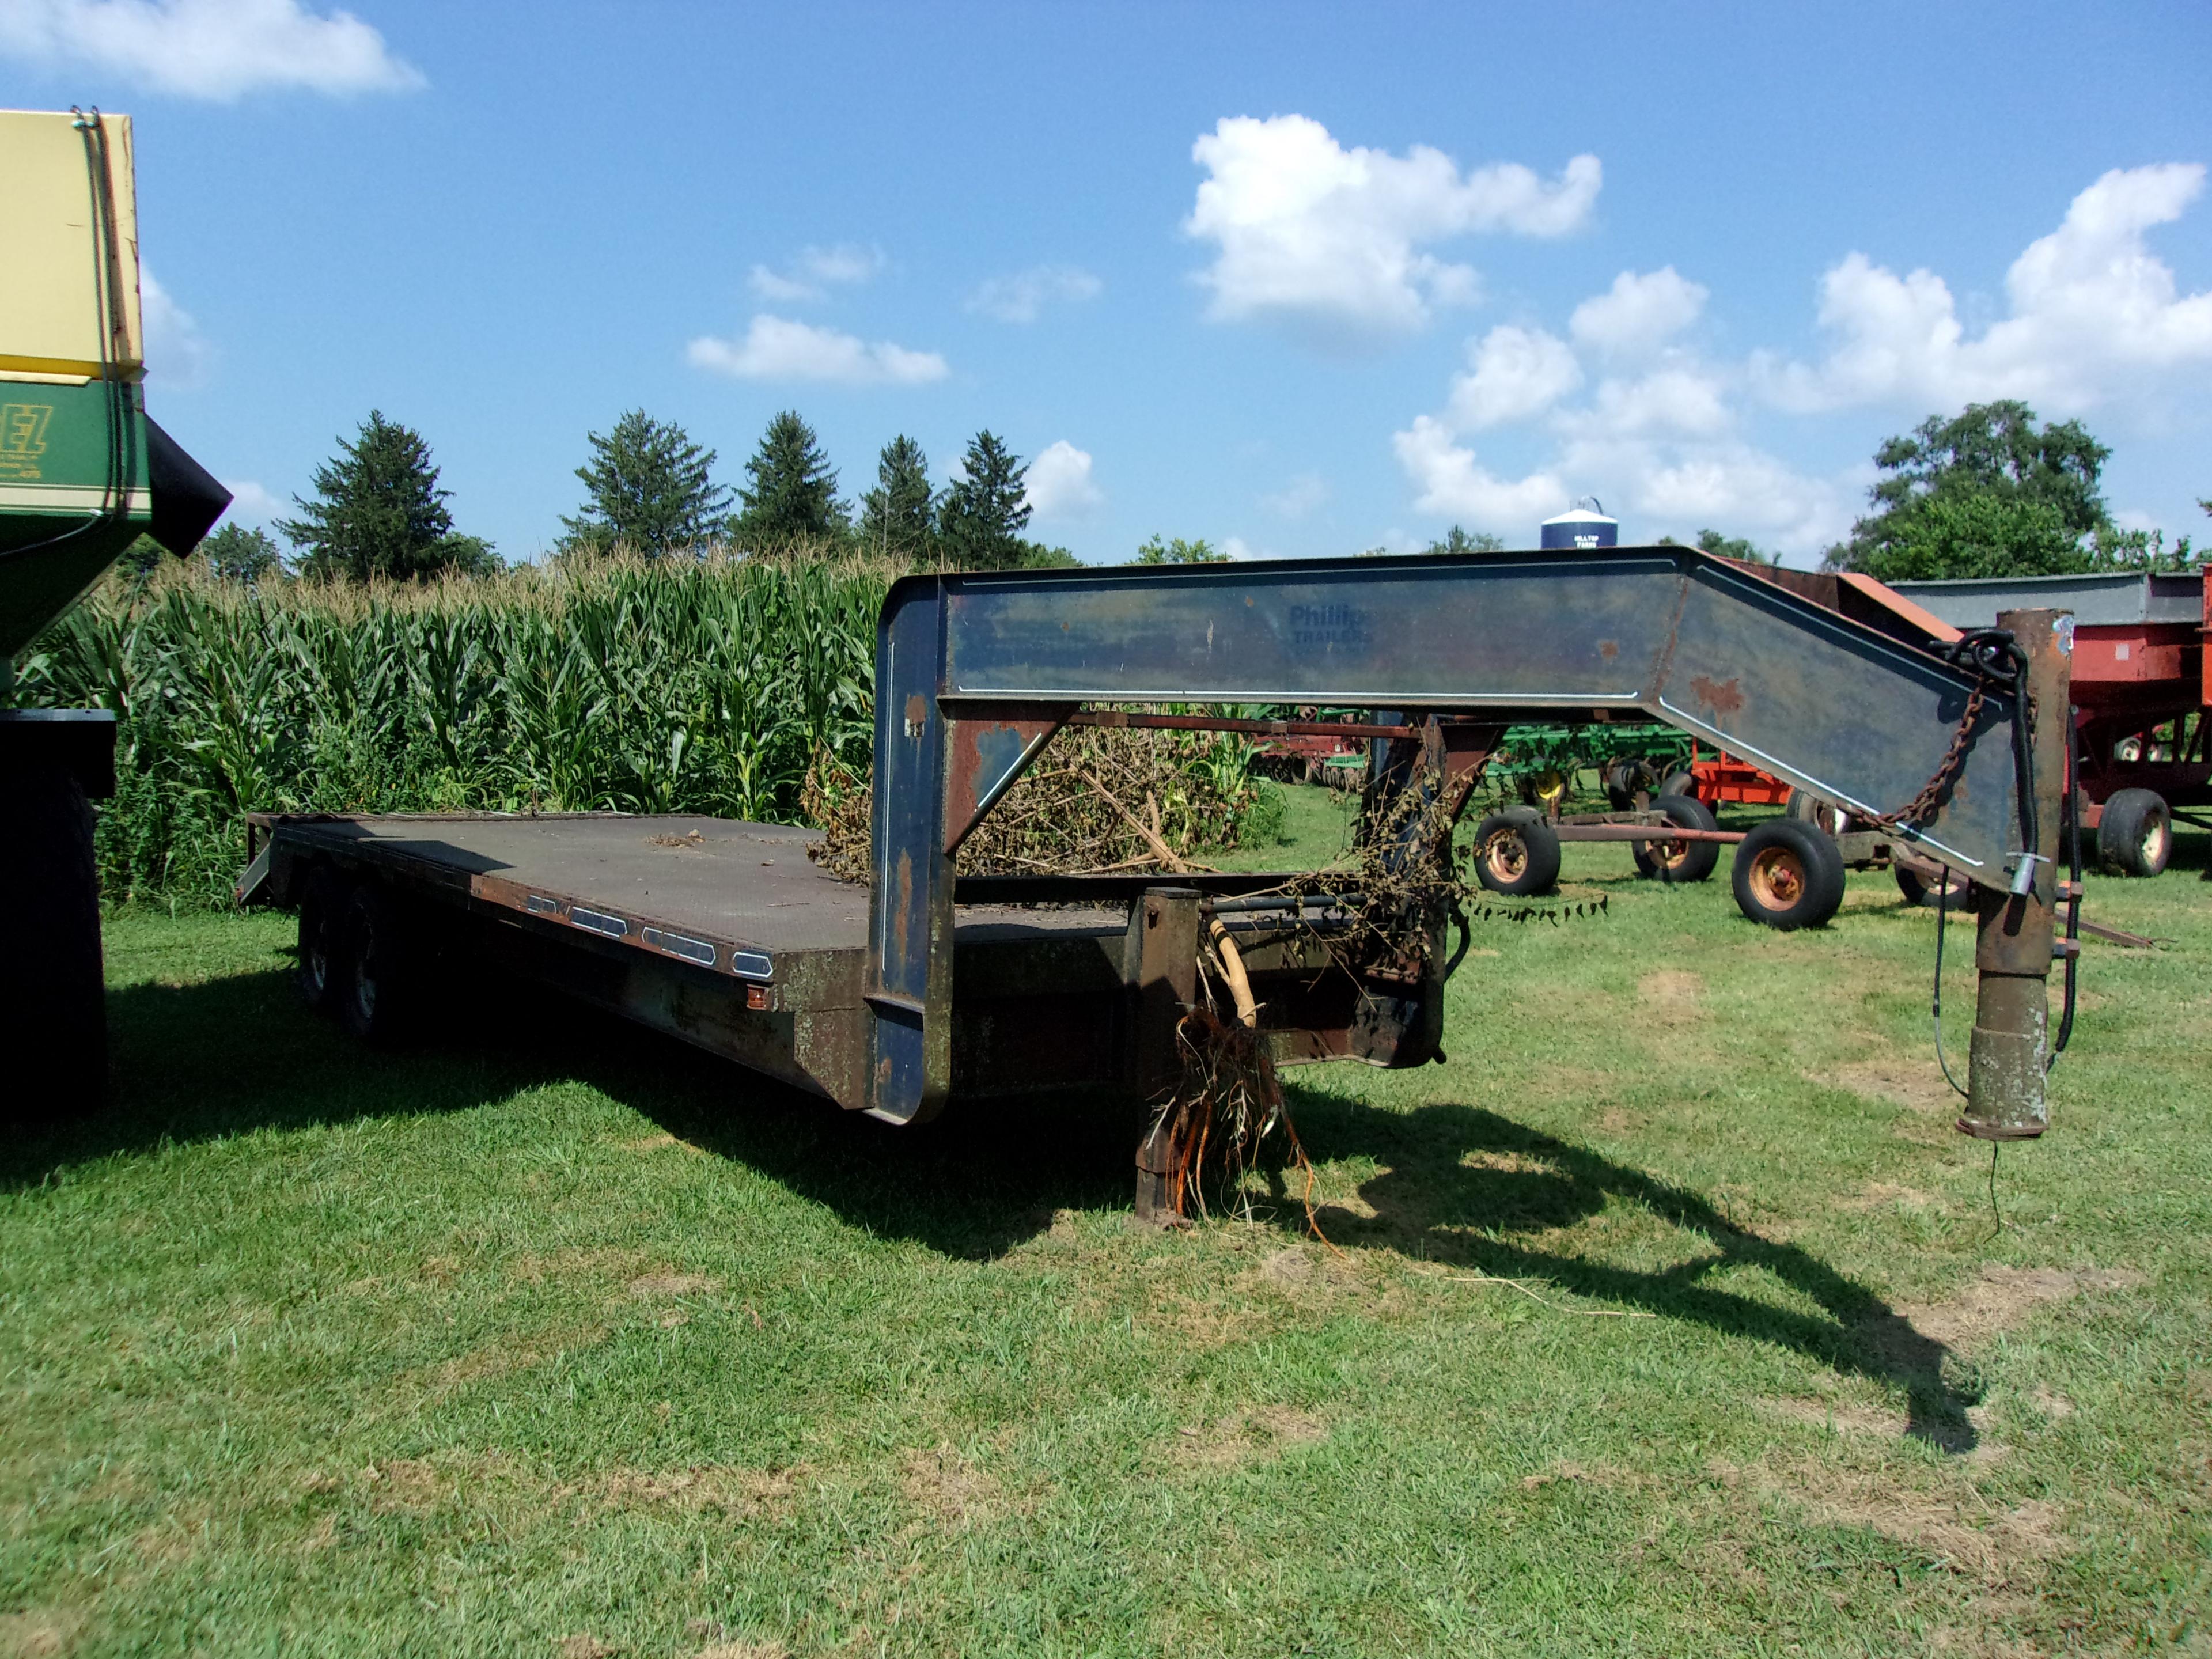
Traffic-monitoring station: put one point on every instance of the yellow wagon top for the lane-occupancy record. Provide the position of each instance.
(69, 293)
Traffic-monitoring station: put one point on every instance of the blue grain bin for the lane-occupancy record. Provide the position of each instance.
(1583, 525)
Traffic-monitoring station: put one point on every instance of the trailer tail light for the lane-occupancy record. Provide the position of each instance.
(757, 998)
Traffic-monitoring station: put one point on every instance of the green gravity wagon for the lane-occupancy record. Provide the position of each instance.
(83, 474)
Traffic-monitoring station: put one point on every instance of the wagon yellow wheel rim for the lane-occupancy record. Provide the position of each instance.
(1551, 785)
(1777, 878)
(1505, 856)
(1667, 854)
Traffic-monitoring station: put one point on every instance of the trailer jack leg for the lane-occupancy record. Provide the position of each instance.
(2011, 1046)
(2012, 1019)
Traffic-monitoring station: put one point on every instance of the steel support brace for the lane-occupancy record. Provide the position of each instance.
(1827, 704)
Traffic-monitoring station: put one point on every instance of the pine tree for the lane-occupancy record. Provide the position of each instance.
(896, 516)
(792, 497)
(984, 513)
(377, 511)
(649, 488)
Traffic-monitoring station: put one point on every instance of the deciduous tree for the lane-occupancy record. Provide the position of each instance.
(239, 555)
(1987, 493)
(1457, 540)
(1173, 550)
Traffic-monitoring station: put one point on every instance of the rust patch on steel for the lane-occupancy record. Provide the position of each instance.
(917, 715)
(1609, 650)
(905, 903)
(1722, 696)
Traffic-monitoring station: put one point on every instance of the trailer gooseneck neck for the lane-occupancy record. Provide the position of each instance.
(975, 672)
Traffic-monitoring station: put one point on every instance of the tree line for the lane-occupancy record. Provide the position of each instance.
(1992, 491)
(377, 509)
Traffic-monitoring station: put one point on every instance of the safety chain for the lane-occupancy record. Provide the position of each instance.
(1995, 658)
(1922, 807)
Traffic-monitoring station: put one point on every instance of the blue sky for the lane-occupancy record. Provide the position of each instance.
(1305, 280)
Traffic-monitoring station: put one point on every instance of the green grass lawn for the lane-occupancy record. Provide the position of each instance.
(564, 1340)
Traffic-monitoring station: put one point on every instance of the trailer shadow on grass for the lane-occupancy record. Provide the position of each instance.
(1457, 1180)
(233, 1055)
(230, 1055)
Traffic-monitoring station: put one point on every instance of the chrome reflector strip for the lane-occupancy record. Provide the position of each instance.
(691, 949)
(612, 926)
(750, 964)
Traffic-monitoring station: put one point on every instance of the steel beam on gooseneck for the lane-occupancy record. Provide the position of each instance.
(973, 671)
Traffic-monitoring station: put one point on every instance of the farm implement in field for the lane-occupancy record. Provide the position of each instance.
(1661, 784)
(929, 984)
(84, 472)
(2141, 692)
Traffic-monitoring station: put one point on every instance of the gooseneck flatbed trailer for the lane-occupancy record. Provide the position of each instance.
(927, 985)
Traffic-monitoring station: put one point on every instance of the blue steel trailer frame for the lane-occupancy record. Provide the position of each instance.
(975, 672)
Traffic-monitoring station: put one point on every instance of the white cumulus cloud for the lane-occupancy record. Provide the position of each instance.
(1638, 314)
(1455, 484)
(779, 348)
(1678, 400)
(2092, 312)
(1311, 233)
(1022, 297)
(1515, 373)
(815, 271)
(177, 353)
(213, 49)
(1298, 498)
(252, 502)
(1059, 485)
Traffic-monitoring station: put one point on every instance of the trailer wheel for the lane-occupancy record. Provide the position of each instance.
(51, 982)
(1676, 861)
(1824, 816)
(1683, 783)
(1918, 889)
(322, 947)
(1623, 779)
(1516, 853)
(1788, 875)
(2135, 835)
(376, 999)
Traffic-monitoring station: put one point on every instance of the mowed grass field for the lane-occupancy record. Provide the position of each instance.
(555, 1338)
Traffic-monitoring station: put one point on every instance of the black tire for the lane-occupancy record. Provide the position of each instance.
(1788, 875)
(1677, 861)
(1683, 783)
(1917, 890)
(1827, 816)
(321, 972)
(2135, 835)
(1516, 853)
(50, 980)
(1623, 779)
(379, 998)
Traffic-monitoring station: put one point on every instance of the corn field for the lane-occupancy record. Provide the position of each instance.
(702, 686)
